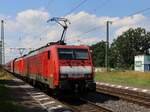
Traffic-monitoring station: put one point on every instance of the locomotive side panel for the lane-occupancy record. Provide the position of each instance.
(41, 67)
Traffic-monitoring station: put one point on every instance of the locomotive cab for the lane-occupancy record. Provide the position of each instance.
(75, 69)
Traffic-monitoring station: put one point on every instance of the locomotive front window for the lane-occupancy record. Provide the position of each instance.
(73, 54)
(65, 54)
(81, 54)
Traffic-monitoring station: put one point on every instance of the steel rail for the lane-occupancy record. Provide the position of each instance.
(100, 107)
(125, 94)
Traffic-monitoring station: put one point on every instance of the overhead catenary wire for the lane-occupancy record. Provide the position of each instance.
(90, 30)
(104, 3)
(49, 4)
(140, 11)
(76, 7)
(137, 12)
(95, 28)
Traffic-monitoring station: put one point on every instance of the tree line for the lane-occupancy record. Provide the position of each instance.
(123, 49)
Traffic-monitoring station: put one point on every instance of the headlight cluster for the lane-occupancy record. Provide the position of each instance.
(87, 75)
(75, 76)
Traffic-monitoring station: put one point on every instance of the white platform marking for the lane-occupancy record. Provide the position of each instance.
(48, 103)
(126, 87)
(56, 107)
(39, 96)
(112, 85)
(101, 83)
(134, 89)
(119, 86)
(43, 99)
(38, 93)
(107, 84)
(144, 90)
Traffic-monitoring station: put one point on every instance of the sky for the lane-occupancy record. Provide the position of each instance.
(26, 26)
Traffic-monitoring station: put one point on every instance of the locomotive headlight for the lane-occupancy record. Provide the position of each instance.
(64, 76)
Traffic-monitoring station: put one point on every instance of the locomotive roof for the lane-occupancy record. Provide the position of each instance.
(51, 45)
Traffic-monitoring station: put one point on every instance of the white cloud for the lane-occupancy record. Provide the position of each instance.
(132, 20)
(35, 32)
(122, 29)
(32, 20)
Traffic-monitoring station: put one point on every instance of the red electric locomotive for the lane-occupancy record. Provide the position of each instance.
(59, 66)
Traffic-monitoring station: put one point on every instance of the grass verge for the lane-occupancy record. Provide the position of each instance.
(7, 102)
(130, 78)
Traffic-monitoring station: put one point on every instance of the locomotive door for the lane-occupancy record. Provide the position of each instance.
(50, 70)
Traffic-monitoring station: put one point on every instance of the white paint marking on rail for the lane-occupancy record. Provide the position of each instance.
(37, 93)
(112, 85)
(102, 83)
(12, 86)
(26, 86)
(106, 84)
(99, 83)
(119, 86)
(39, 96)
(144, 90)
(126, 87)
(48, 103)
(135, 89)
(123, 87)
(43, 99)
(17, 80)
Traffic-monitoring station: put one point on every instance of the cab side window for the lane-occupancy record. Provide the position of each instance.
(48, 54)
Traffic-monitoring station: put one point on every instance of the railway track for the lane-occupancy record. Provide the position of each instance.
(93, 102)
(51, 104)
(125, 94)
(84, 105)
(99, 107)
(114, 103)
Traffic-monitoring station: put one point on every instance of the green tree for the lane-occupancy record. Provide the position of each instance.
(99, 54)
(126, 46)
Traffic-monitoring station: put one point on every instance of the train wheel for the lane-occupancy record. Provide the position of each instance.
(56, 93)
(27, 80)
(33, 82)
